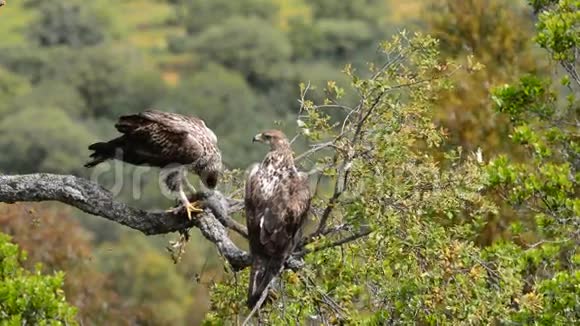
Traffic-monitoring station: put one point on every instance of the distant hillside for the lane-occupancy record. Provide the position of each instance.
(147, 24)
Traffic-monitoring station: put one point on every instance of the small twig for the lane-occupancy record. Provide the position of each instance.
(484, 265)
(337, 228)
(354, 237)
(314, 149)
(339, 187)
(177, 248)
(302, 99)
(335, 106)
(326, 299)
(262, 298)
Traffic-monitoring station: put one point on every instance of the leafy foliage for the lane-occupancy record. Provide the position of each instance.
(11, 85)
(340, 31)
(545, 186)
(340, 39)
(148, 280)
(29, 144)
(71, 23)
(412, 267)
(248, 45)
(50, 94)
(357, 9)
(558, 26)
(420, 262)
(480, 29)
(56, 240)
(198, 15)
(110, 82)
(30, 297)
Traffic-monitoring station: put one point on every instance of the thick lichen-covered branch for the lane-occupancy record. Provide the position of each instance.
(92, 198)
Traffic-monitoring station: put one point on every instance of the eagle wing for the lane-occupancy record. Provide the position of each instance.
(169, 122)
(156, 138)
(274, 224)
(280, 217)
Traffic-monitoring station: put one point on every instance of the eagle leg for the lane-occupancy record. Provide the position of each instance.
(189, 207)
(194, 207)
(189, 186)
(174, 180)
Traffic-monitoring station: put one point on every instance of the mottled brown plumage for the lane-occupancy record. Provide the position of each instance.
(171, 141)
(277, 202)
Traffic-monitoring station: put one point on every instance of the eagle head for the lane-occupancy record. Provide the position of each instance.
(210, 179)
(275, 138)
(210, 175)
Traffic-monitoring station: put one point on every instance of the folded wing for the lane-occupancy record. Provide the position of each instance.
(274, 223)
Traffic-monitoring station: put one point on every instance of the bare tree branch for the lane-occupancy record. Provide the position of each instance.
(92, 198)
(225, 218)
(96, 200)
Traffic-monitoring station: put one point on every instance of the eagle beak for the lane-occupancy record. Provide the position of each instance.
(258, 138)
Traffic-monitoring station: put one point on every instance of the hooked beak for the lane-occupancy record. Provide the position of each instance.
(257, 138)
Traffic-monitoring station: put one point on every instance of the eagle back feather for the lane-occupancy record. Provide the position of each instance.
(159, 139)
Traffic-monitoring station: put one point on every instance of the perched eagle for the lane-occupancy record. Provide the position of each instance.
(171, 141)
(277, 202)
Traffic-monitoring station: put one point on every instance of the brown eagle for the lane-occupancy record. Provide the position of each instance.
(277, 202)
(171, 141)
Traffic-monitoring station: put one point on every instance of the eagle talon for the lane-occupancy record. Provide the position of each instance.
(192, 207)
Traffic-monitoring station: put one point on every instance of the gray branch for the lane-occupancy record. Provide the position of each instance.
(96, 200)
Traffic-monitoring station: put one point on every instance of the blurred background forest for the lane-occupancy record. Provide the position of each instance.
(69, 68)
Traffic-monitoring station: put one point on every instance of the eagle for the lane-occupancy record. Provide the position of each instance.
(173, 142)
(277, 201)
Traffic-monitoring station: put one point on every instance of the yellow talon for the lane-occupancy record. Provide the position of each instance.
(192, 207)
(189, 208)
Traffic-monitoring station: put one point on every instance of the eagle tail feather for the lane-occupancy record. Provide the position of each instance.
(262, 272)
(101, 152)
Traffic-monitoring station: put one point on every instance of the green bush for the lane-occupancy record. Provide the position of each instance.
(72, 23)
(11, 85)
(30, 298)
(198, 15)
